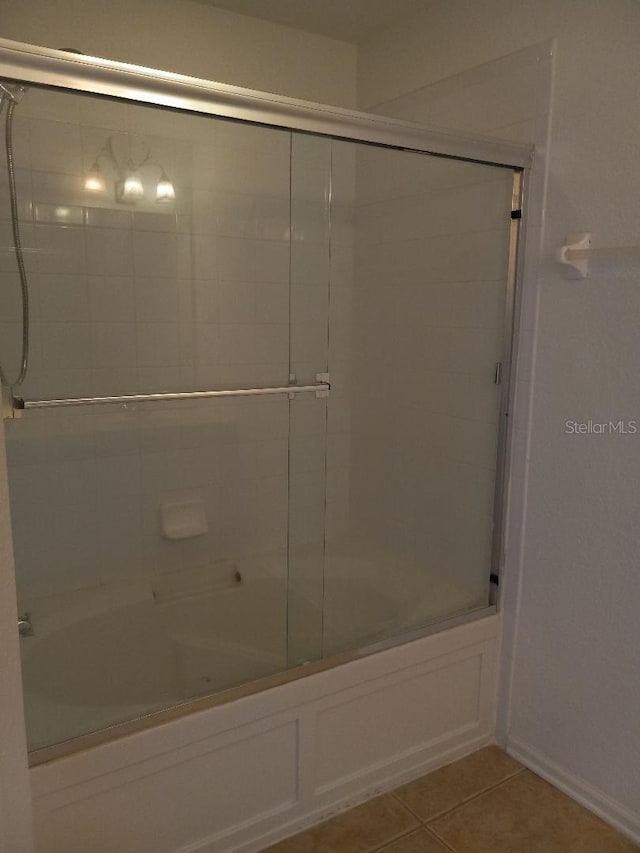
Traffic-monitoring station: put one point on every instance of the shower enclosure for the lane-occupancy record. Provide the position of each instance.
(262, 429)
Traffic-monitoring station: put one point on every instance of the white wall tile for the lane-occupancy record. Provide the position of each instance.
(253, 171)
(61, 249)
(111, 298)
(146, 221)
(66, 344)
(109, 251)
(167, 378)
(155, 254)
(63, 298)
(60, 214)
(158, 344)
(113, 344)
(253, 343)
(253, 260)
(247, 302)
(55, 147)
(11, 298)
(120, 540)
(107, 217)
(157, 299)
(207, 343)
(115, 381)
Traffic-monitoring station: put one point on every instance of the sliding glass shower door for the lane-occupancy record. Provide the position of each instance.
(260, 422)
(420, 324)
(152, 536)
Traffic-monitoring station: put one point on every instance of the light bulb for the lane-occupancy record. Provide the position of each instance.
(94, 182)
(132, 189)
(164, 189)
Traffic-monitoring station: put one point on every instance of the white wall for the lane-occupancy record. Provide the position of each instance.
(192, 38)
(574, 695)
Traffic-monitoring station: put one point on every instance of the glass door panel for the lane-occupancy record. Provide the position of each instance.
(414, 411)
(151, 539)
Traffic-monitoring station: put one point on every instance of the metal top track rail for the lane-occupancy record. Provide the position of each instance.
(32, 64)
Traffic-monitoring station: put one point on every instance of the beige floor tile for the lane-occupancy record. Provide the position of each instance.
(360, 830)
(527, 815)
(448, 787)
(421, 841)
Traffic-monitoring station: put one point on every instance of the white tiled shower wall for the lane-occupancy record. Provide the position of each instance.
(506, 98)
(199, 294)
(194, 294)
(431, 273)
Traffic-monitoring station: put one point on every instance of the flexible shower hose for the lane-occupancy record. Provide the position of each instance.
(17, 245)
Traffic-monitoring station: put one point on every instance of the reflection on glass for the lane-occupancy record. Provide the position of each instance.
(172, 550)
(418, 284)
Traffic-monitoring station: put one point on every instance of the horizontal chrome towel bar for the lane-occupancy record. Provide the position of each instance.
(321, 389)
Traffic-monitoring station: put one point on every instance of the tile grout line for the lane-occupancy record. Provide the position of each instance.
(426, 821)
(393, 840)
(397, 838)
(470, 800)
(401, 834)
(439, 840)
(407, 807)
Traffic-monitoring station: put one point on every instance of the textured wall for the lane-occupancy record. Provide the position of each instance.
(574, 701)
(192, 38)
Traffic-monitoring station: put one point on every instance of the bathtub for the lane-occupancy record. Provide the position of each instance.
(238, 776)
(100, 657)
(103, 656)
(213, 775)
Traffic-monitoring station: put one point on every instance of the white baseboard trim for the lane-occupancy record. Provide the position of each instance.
(613, 813)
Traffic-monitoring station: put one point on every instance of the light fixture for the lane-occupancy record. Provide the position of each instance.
(130, 190)
(94, 181)
(129, 181)
(164, 189)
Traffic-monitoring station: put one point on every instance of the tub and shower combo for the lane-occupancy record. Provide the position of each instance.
(256, 361)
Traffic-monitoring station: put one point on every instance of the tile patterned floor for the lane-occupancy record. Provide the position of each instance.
(485, 802)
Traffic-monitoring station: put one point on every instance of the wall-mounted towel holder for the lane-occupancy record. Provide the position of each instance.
(577, 252)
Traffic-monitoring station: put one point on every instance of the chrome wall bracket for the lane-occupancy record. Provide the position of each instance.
(324, 386)
(9, 409)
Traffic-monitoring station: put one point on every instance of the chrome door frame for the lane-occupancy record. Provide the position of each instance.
(32, 64)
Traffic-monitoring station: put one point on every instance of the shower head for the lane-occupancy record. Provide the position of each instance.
(12, 92)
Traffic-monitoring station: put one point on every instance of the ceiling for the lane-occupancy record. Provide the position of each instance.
(349, 20)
